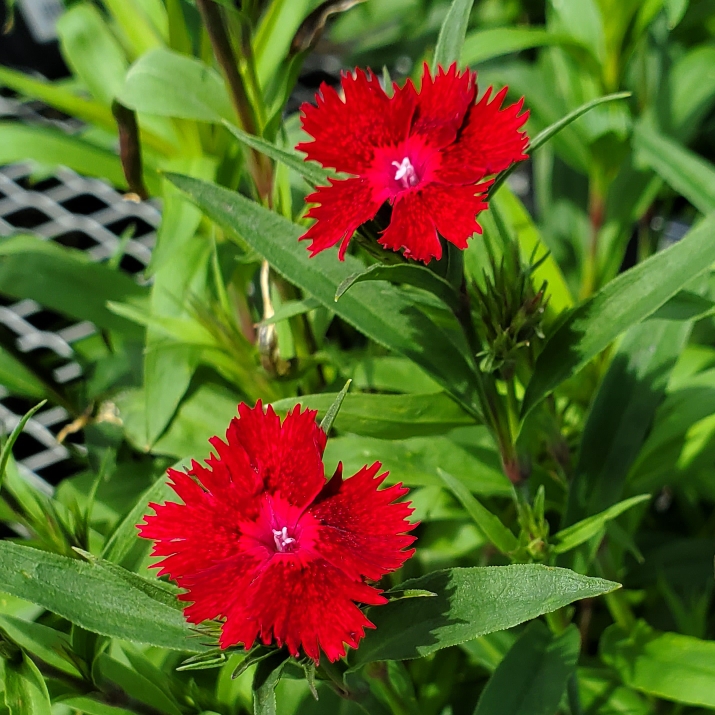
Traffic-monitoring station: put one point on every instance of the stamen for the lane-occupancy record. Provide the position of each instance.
(406, 173)
(280, 536)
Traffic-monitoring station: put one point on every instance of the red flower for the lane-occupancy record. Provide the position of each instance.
(422, 152)
(265, 543)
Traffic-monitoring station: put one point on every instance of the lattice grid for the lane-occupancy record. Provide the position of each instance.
(86, 214)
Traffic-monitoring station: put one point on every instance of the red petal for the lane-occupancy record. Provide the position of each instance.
(342, 208)
(442, 104)
(302, 474)
(215, 589)
(200, 533)
(489, 142)
(454, 210)
(302, 605)
(363, 529)
(286, 458)
(347, 132)
(412, 229)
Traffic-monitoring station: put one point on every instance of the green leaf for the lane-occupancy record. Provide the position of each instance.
(204, 412)
(675, 10)
(160, 591)
(25, 689)
(92, 52)
(290, 309)
(157, 84)
(532, 677)
(42, 270)
(601, 693)
(452, 34)
(274, 34)
(124, 537)
(582, 531)
(667, 665)
(684, 306)
(675, 441)
(92, 597)
(18, 378)
(490, 524)
(552, 130)
(311, 171)
(622, 413)
(136, 27)
(6, 452)
(583, 21)
(386, 416)
(332, 411)
(47, 644)
(625, 301)
(542, 137)
(427, 334)
(691, 89)
(484, 45)
(107, 670)
(680, 168)
(470, 602)
(59, 97)
(87, 704)
(53, 147)
(409, 274)
(267, 675)
(389, 373)
(415, 461)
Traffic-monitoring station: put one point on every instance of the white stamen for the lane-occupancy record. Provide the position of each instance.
(280, 536)
(406, 173)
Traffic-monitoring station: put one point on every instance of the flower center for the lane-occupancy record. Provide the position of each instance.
(284, 543)
(406, 174)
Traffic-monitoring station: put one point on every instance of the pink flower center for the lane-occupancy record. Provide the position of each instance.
(279, 530)
(406, 174)
(284, 542)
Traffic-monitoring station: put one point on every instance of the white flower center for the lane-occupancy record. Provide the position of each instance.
(283, 541)
(406, 174)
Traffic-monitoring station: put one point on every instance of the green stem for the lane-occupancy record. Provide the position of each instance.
(573, 695)
(596, 213)
(494, 412)
(259, 165)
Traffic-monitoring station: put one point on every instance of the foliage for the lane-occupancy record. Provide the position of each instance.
(547, 395)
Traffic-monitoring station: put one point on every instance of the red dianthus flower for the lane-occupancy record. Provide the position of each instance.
(422, 152)
(264, 543)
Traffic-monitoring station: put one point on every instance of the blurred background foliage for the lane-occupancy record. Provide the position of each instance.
(209, 324)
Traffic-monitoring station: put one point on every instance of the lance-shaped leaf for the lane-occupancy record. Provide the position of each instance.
(386, 416)
(327, 422)
(667, 665)
(311, 171)
(489, 523)
(625, 301)
(484, 45)
(92, 597)
(424, 331)
(408, 274)
(157, 82)
(682, 169)
(290, 309)
(124, 537)
(25, 689)
(582, 531)
(470, 602)
(452, 34)
(533, 675)
(553, 129)
(7, 447)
